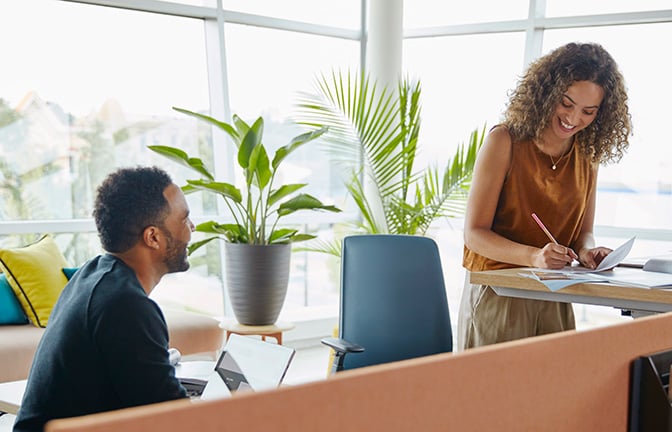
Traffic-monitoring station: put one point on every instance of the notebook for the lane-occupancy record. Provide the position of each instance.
(245, 364)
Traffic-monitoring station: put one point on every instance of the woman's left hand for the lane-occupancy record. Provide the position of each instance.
(591, 258)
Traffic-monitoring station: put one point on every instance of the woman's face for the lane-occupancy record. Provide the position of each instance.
(577, 109)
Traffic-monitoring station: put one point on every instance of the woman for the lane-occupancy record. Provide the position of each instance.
(567, 115)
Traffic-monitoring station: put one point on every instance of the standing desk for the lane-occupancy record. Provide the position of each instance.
(640, 301)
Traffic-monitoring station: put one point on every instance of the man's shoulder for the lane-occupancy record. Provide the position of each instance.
(106, 270)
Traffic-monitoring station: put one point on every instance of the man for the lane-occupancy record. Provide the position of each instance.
(106, 345)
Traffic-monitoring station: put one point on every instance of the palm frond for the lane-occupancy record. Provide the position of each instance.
(374, 133)
(331, 247)
(364, 127)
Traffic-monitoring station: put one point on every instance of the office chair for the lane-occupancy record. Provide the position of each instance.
(393, 301)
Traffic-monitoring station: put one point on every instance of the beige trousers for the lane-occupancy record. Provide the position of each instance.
(486, 318)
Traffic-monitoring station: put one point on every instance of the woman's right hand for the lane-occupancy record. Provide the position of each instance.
(553, 256)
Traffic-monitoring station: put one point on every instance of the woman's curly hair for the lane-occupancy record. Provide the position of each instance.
(534, 101)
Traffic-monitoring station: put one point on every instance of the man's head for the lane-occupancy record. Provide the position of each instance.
(132, 203)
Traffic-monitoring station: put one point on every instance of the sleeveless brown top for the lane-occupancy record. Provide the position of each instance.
(559, 197)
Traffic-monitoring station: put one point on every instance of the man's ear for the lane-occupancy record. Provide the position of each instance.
(151, 236)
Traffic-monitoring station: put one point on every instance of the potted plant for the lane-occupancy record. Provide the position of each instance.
(373, 133)
(257, 250)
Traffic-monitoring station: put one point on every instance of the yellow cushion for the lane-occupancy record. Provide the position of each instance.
(35, 275)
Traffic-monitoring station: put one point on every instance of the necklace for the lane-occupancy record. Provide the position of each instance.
(554, 164)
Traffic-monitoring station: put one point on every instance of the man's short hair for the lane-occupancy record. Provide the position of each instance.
(128, 201)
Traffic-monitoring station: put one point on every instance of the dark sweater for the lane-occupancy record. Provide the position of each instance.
(105, 348)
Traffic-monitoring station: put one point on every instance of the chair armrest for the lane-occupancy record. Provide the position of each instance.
(341, 347)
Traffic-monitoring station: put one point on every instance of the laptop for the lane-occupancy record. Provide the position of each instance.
(245, 364)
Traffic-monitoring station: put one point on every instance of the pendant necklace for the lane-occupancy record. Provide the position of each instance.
(554, 164)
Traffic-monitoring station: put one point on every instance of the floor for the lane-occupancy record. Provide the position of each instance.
(309, 364)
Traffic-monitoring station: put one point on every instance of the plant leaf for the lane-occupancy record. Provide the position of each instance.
(332, 247)
(196, 245)
(251, 139)
(181, 157)
(302, 237)
(224, 189)
(304, 202)
(220, 124)
(283, 191)
(282, 235)
(296, 142)
(259, 166)
(233, 232)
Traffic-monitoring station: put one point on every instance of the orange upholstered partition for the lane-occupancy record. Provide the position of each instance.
(574, 381)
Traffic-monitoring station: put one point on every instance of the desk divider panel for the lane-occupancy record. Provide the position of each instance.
(576, 381)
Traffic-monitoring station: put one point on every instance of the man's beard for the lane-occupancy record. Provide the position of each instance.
(176, 255)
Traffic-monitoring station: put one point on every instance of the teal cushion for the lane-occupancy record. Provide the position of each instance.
(69, 271)
(10, 308)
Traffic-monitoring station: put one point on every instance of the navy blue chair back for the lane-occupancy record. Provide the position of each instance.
(393, 299)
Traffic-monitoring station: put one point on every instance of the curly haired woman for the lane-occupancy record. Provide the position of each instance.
(568, 114)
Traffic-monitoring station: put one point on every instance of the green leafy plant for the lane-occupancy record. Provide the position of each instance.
(258, 208)
(373, 133)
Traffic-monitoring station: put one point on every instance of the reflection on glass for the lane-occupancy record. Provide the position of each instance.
(637, 192)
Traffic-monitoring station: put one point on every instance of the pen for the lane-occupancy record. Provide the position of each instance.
(549, 235)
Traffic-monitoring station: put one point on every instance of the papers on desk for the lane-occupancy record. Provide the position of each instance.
(616, 256)
(559, 279)
(654, 274)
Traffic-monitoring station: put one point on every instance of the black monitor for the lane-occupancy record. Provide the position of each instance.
(649, 401)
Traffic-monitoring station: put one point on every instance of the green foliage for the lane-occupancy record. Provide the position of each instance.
(373, 133)
(260, 203)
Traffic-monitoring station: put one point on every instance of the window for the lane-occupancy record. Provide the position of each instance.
(431, 13)
(556, 8)
(90, 98)
(81, 98)
(464, 87)
(637, 192)
(338, 13)
(467, 69)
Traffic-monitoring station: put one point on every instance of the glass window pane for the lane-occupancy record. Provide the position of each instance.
(465, 80)
(335, 13)
(581, 7)
(432, 13)
(83, 98)
(267, 69)
(88, 99)
(637, 192)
